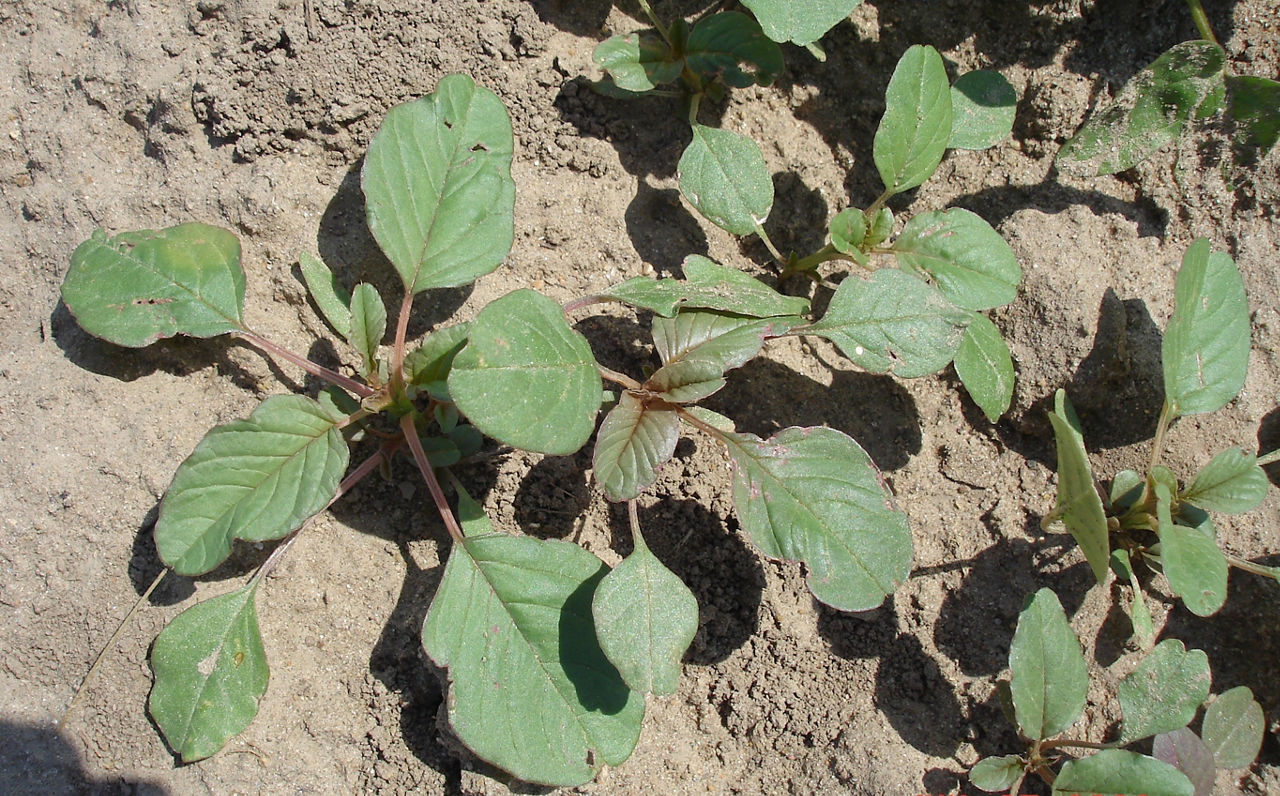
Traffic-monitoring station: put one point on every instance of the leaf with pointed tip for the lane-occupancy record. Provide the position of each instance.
(253, 479)
(967, 259)
(724, 176)
(637, 62)
(331, 299)
(368, 325)
(530, 690)
(645, 619)
(1184, 750)
(707, 285)
(1164, 692)
(427, 367)
(1233, 728)
(525, 377)
(730, 46)
(1205, 352)
(437, 182)
(994, 774)
(1255, 107)
(1149, 113)
(1139, 615)
(1232, 483)
(698, 348)
(1078, 504)
(983, 105)
(800, 22)
(1118, 772)
(139, 287)
(892, 322)
(985, 367)
(1049, 680)
(913, 133)
(210, 671)
(1192, 562)
(814, 495)
(634, 440)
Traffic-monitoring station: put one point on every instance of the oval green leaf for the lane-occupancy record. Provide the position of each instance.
(994, 774)
(526, 378)
(1233, 727)
(530, 690)
(800, 22)
(1195, 568)
(325, 290)
(847, 231)
(913, 133)
(437, 183)
(1184, 750)
(637, 62)
(1163, 693)
(721, 45)
(814, 495)
(1121, 773)
(368, 325)
(253, 479)
(967, 259)
(724, 176)
(1255, 108)
(634, 440)
(1079, 505)
(1232, 483)
(427, 367)
(983, 105)
(1049, 680)
(892, 322)
(1205, 353)
(645, 619)
(139, 287)
(210, 672)
(985, 367)
(707, 285)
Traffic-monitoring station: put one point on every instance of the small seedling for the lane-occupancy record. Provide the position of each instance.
(1045, 696)
(1153, 519)
(533, 633)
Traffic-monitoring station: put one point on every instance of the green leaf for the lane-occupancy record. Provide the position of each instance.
(724, 176)
(719, 46)
(526, 378)
(142, 286)
(437, 182)
(985, 367)
(1079, 506)
(847, 230)
(713, 419)
(881, 227)
(210, 672)
(645, 619)
(967, 259)
(814, 495)
(368, 325)
(1139, 615)
(427, 367)
(637, 62)
(1194, 566)
(893, 322)
(253, 479)
(1232, 483)
(1049, 680)
(1205, 353)
(1126, 488)
(1149, 113)
(916, 125)
(698, 348)
(982, 107)
(530, 690)
(1164, 692)
(1255, 107)
(707, 285)
(1184, 750)
(994, 774)
(634, 440)
(1233, 727)
(328, 294)
(1117, 772)
(800, 22)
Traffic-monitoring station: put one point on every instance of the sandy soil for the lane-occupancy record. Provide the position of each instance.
(253, 114)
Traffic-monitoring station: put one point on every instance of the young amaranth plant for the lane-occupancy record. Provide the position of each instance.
(1045, 695)
(534, 634)
(951, 264)
(1153, 520)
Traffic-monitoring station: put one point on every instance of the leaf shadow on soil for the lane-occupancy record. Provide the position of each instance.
(1269, 440)
(37, 760)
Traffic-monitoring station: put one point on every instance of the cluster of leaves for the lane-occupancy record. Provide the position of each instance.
(1045, 695)
(1191, 82)
(1151, 520)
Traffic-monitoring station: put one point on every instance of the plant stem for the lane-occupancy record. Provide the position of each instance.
(1062, 743)
(1167, 413)
(768, 244)
(573, 305)
(825, 254)
(429, 476)
(1202, 21)
(870, 213)
(1269, 458)
(1250, 566)
(633, 518)
(397, 352)
(111, 642)
(317, 370)
(618, 378)
(653, 18)
(700, 424)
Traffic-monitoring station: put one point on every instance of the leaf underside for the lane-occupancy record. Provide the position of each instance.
(634, 440)
(698, 347)
(1184, 750)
